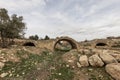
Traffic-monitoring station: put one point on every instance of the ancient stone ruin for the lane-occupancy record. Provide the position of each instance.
(65, 41)
(94, 53)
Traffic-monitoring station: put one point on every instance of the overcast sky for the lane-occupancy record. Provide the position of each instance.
(79, 19)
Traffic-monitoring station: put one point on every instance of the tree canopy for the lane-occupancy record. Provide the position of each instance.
(46, 37)
(10, 27)
(34, 37)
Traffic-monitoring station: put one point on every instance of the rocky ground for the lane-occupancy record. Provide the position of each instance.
(31, 63)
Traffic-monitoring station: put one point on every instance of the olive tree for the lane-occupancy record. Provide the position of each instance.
(10, 27)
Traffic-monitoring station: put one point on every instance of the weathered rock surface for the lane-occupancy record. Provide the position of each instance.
(2, 65)
(95, 60)
(70, 58)
(96, 51)
(107, 58)
(114, 70)
(3, 75)
(83, 60)
(116, 56)
(79, 65)
(87, 52)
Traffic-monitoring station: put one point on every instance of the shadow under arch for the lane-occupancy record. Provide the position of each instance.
(72, 42)
(29, 44)
(101, 44)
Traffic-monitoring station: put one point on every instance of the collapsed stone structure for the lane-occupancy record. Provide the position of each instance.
(51, 44)
(95, 53)
(86, 58)
(72, 42)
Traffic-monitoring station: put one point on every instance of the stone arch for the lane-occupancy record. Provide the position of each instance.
(29, 44)
(101, 43)
(72, 42)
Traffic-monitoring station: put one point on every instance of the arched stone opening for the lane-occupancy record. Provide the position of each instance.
(68, 43)
(29, 44)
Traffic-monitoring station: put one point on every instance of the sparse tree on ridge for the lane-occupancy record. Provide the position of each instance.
(34, 37)
(46, 37)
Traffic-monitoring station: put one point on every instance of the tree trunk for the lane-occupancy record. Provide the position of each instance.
(3, 40)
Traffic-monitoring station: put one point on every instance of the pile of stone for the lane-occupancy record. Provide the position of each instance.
(2, 64)
(109, 60)
(2, 61)
(114, 70)
(98, 60)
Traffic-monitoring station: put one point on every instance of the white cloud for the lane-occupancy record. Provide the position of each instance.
(80, 19)
(24, 5)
